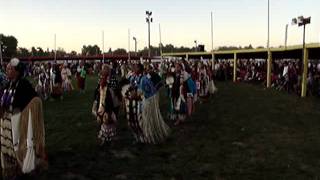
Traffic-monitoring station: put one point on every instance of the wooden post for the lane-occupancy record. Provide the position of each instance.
(187, 57)
(269, 66)
(234, 67)
(305, 72)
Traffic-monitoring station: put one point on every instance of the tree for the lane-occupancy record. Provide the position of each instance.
(34, 51)
(91, 50)
(40, 52)
(248, 47)
(73, 53)
(168, 48)
(120, 51)
(224, 48)
(61, 52)
(23, 52)
(9, 45)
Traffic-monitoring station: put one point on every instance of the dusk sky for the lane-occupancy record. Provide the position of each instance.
(79, 22)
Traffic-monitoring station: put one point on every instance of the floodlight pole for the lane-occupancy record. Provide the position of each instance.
(305, 64)
(301, 21)
(149, 20)
(149, 52)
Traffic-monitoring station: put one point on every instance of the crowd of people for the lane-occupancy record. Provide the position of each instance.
(223, 70)
(130, 87)
(133, 86)
(251, 71)
(286, 75)
(54, 80)
(137, 86)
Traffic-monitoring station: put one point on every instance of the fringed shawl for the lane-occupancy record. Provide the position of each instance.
(35, 107)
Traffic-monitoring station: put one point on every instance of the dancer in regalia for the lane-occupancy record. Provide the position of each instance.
(66, 79)
(183, 91)
(43, 86)
(106, 107)
(195, 78)
(114, 80)
(142, 107)
(170, 77)
(57, 90)
(153, 125)
(133, 104)
(204, 82)
(212, 88)
(22, 126)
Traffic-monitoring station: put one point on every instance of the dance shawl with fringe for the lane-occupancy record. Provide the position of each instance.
(27, 141)
(38, 131)
(153, 126)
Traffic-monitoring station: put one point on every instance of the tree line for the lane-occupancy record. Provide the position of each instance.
(10, 49)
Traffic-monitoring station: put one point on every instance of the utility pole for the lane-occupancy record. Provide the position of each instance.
(160, 44)
(55, 48)
(102, 46)
(286, 37)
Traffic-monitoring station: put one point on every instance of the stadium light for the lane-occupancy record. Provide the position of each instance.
(149, 20)
(301, 21)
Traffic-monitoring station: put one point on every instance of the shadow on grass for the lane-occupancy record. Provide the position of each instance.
(243, 132)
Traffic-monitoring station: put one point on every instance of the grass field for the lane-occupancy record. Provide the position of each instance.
(243, 132)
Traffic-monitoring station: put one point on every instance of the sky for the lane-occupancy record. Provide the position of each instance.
(81, 22)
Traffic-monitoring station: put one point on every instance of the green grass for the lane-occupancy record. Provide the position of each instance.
(243, 132)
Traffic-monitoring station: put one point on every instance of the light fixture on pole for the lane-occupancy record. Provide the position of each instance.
(149, 20)
(196, 45)
(301, 21)
(135, 45)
